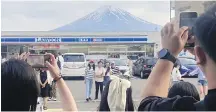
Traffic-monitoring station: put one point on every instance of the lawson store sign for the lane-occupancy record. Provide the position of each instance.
(32, 40)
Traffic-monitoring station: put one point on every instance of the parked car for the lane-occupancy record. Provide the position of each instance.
(187, 65)
(121, 64)
(133, 57)
(143, 66)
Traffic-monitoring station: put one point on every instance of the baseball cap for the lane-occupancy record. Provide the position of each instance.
(91, 61)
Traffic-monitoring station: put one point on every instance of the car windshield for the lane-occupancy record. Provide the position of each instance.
(119, 62)
(133, 57)
(187, 61)
(151, 61)
(74, 58)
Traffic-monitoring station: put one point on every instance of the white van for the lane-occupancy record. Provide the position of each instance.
(74, 64)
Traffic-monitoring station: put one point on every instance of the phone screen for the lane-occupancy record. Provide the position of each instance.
(38, 61)
(188, 19)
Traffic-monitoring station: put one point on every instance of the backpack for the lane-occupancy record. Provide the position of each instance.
(59, 63)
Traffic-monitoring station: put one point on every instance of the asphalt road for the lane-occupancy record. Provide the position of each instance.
(77, 88)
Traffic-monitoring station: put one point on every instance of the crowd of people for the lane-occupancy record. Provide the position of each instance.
(21, 87)
(100, 74)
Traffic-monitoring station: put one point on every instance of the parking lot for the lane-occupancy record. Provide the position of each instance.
(77, 88)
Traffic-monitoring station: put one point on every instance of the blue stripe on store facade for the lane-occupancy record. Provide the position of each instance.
(11, 40)
(76, 39)
(27, 39)
(2, 39)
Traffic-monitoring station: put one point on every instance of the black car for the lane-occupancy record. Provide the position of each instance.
(143, 66)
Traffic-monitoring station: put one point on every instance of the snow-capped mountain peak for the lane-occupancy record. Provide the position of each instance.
(103, 11)
(109, 18)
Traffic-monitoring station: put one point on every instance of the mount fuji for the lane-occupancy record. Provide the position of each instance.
(109, 19)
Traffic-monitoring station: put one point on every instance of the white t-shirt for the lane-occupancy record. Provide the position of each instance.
(99, 74)
(175, 74)
(3, 60)
(61, 59)
(49, 77)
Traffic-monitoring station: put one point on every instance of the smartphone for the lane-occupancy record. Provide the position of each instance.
(38, 60)
(188, 19)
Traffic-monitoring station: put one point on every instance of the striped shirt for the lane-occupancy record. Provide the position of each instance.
(115, 71)
(89, 73)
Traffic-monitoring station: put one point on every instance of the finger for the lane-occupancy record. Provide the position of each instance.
(52, 57)
(171, 29)
(163, 31)
(21, 55)
(181, 31)
(191, 40)
(162, 34)
(166, 31)
(26, 56)
(50, 67)
(185, 36)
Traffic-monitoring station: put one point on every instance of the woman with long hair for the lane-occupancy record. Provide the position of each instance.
(107, 73)
(44, 87)
(89, 76)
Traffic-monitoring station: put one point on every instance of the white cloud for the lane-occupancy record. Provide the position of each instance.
(44, 16)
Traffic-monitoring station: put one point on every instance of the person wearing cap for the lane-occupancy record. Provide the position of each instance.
(117, 96)
(114, 70)
(89, 76)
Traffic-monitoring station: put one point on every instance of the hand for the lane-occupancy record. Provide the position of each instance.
(53, 67)
(174, 41)
(191, 40)
(23, 56)
(43, 85)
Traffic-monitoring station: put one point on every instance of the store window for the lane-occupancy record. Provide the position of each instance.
(4, 48)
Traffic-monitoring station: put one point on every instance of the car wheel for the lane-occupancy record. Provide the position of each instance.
(142, 75)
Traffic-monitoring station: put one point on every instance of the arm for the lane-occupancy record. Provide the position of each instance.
(104, 71)
(158, 81)
(45, 82)
(98, 75)
(40, 79)
(195, 71)
(67, 99)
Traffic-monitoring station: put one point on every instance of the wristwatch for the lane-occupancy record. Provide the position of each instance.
(165, 54)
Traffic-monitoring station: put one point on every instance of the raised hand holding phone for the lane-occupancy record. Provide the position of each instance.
(52, 66)
(188, 19)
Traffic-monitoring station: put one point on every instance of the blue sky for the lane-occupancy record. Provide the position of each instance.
(44, 16)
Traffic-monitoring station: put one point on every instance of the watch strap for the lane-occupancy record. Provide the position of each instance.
(169, 57)
(58, 78)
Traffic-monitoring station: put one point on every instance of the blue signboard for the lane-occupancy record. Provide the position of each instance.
(140, 39)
